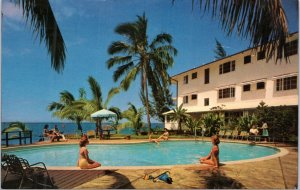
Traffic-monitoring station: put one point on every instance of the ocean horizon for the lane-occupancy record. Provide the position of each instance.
(70, 128)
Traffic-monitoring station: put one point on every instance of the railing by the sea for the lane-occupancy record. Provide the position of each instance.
(17, 135)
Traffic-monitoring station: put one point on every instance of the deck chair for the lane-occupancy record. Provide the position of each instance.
(228, 134)
(244, 134)
(221, 133)
(37, 173)
(91, 133)
(235, 134)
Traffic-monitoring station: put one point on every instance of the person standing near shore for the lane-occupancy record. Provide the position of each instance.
(265, 132)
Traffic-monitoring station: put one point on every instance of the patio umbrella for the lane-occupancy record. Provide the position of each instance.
(102, 114)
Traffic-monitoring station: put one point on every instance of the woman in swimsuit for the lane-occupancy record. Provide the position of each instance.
(84, 162)
(213, 157)
(164, 136)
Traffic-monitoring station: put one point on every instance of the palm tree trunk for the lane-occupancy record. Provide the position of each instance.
(147, 103)
(79, 127)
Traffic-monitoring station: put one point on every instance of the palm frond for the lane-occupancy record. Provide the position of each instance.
(125, 83)
(118, 60)
(44, 25)
(96, 91)
(219, 51)
(121, 70)
(263, 21)
(118, 47)
(111, 93)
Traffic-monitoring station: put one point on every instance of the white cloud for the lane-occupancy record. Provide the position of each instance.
(12, 11)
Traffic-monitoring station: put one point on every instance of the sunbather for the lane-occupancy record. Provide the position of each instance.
(164, 136)
(47, 133)
(84, 162)
(58, 133)
(213, 157)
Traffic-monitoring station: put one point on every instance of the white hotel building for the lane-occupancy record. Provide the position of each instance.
(239, 83)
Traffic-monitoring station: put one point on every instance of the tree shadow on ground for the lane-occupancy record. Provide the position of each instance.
(219, 180)
(120, 181)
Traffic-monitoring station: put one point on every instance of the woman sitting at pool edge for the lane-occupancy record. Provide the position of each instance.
(165, 135)
(84, 162)
(213, 157)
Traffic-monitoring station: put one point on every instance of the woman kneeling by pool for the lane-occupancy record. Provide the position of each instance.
(84, 162)
(213, 157)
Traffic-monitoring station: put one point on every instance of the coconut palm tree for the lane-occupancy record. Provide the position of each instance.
(136, 56)
(42, 21)
(262, 21)
(134, 117)
(96, 103)
(179, 114)
(193, 123)
(66, 108)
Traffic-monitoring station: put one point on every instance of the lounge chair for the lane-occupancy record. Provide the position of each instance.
(244, 134)
(91, 133)
(235, 134)
(221, 133)
(228, 134)
(37, 173)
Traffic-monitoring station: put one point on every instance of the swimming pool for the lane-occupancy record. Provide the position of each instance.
(141, 154)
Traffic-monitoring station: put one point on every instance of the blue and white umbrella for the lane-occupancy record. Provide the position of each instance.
(104, 113)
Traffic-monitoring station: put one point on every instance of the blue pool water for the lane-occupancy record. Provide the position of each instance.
(143, 154)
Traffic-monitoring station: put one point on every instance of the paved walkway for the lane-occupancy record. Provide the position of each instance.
(276, 173)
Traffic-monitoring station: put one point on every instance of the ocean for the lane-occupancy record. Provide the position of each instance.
(70, 128)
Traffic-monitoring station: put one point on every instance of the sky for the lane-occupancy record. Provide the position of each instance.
(29, 84)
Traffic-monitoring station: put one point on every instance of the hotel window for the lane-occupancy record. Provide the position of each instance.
(226, 93)
(287, 83)
(227, 67)
(291, 48)
(260, 55)
(247, 59)
(185, 99)
(246, 87)
(194, 75)
(206, 101)
(194, 96)
(260, 85)
(206, 76)
(185, 79)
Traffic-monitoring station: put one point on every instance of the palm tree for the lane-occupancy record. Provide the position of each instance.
(67, 108)
(212, 122)
(17, 126)
(263, 21)
(134, 117)
(193, 123)
(43, 24)
(179, 114)
(138, 57)
(96, 103)
(219, 51)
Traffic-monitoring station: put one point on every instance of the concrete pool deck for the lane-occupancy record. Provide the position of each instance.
(274, 173)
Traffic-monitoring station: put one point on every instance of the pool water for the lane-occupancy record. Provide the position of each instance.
(142, 154)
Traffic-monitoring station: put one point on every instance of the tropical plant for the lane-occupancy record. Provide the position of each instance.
(179, 115)
(96, 102)
(17, 126)
(193, 123)
(68, 108)
(134, 117)
(212, 122)
(43, 24)
(137, 56)
(262, 21)
(246, 122)
(219, 51)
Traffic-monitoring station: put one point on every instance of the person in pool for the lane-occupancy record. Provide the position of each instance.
(213, 157)
(84, 162)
